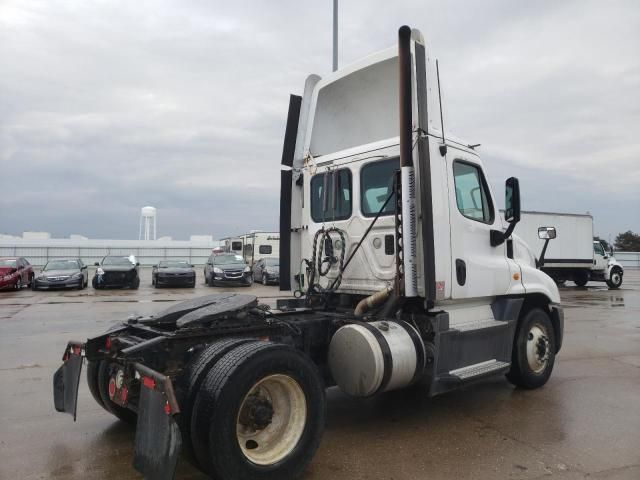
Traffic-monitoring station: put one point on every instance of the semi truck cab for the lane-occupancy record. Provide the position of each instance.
(401, 269)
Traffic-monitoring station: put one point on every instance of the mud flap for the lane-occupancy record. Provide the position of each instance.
(66, 380)
(158, 439)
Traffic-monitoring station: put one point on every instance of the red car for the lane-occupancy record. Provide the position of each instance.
(15, 273)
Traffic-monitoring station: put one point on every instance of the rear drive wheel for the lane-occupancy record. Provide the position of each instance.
(31, 276)
(92, 381)
(259, 413)
(104, 373)
(190, 380)
(264, 280)
(18, 284)
(615, 279)
(136, 283)
(534, 350)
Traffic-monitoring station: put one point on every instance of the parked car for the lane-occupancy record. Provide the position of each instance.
(173, 273)
(267, 270)
(15, 272)
(227, 268)
(116, 271)
(62, 273)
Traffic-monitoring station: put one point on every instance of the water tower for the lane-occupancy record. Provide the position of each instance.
(147, 224)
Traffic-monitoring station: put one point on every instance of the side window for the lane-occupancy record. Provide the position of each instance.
(597, 247)
(376, 183)
(472, 193)
(25, 262)
(236, 246)
(333, 191)
(265, 249)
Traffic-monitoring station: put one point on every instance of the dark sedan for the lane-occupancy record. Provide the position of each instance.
(267, 270)
(62, 273)
(228, 269)
(172, 273)
(116, 272)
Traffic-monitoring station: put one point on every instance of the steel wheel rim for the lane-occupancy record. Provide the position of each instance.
(537, 348)
(19, 284)
(616, 278)
(268, 444)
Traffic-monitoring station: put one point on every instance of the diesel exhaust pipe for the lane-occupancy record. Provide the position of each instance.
(407, 173)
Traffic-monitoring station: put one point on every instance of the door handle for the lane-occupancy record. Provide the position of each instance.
(461, 271)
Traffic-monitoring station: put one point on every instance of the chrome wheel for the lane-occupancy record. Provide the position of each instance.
(271, 419)
(537, 348)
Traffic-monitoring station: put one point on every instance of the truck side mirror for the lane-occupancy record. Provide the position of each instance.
(547, 233)
(511, 211)
(512, 200)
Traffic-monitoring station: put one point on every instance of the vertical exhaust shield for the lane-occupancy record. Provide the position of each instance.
(407, 173)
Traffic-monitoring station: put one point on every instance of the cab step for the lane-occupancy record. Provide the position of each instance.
(481, 369)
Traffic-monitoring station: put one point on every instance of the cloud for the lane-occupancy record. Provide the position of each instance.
(109, 106)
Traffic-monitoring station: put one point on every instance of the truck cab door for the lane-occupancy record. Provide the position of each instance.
(478, 269)
(600, 263)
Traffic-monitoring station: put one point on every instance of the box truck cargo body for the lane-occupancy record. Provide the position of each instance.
(573, 254)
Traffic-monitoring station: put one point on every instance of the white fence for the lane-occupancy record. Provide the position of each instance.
(91, 251)
(628, 259)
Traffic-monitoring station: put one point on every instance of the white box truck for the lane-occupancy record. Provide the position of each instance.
(574, 254)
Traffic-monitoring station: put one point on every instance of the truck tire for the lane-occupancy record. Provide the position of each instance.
(580, 278)
(92, 381)
(533, 352)
(189, 383)
(136, 283)
(615, 279)
(253, 386)
(124, 414)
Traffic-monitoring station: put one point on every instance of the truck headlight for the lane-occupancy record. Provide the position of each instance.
(77, 275)
(247, 269)
(217, 270)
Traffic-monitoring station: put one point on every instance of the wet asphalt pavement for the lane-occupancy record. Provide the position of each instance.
(585, 423)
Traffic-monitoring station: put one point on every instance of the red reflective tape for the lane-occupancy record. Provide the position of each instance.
(107, 343)
(112, 388)
(76, 350)
(167, 408)
(149, 382)
(124, 393)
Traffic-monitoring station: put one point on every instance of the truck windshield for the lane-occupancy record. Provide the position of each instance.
(173, 264)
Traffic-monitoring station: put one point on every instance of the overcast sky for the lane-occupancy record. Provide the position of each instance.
(107, 106)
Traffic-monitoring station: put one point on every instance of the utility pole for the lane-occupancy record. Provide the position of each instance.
(335, 35)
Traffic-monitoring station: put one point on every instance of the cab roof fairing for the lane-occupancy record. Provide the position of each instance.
(356, 108)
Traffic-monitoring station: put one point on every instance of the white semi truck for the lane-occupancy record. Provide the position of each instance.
(574, 254)
(403, 271)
